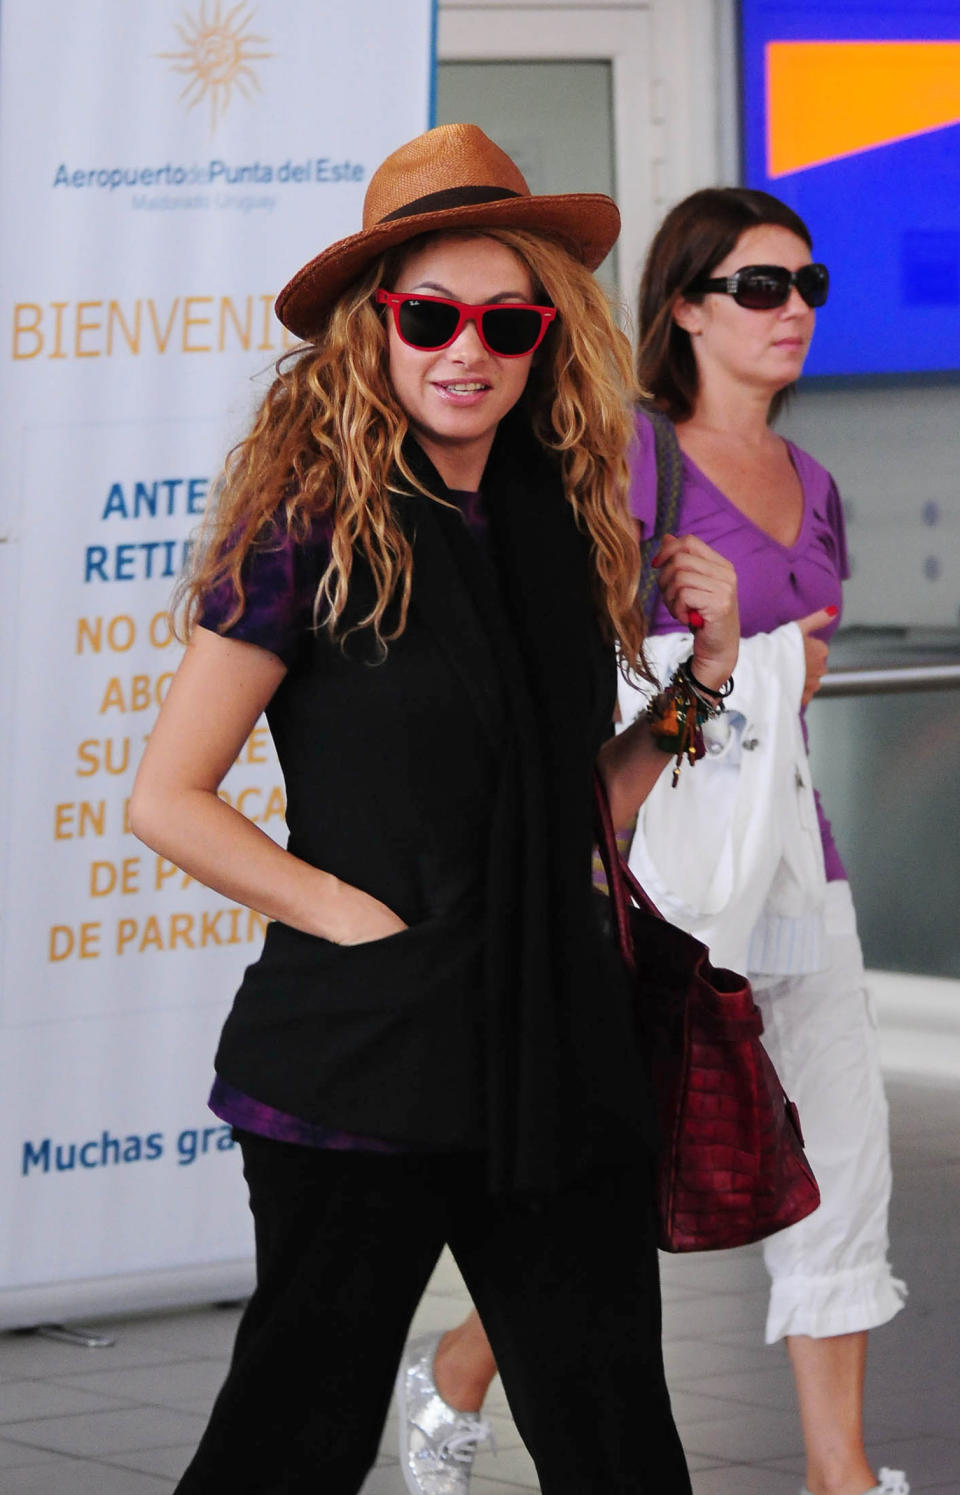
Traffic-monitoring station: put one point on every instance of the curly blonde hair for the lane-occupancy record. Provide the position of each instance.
(327, 444)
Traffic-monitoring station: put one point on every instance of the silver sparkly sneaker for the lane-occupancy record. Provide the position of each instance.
(437, 1443)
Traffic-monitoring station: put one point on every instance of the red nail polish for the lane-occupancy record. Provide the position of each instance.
(832, 610)
(656, 559)
(696, 619)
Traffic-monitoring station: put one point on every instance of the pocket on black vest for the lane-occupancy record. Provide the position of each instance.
(383, 1038)
(308, 973)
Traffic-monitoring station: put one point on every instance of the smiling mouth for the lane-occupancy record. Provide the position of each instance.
(463, 386)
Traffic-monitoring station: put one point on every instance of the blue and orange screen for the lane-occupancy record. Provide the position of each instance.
(852, 116)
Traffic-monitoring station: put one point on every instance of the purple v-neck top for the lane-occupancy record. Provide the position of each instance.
(776, 583)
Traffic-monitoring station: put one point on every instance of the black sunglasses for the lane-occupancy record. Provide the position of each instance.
(762, 287)
(428, 323)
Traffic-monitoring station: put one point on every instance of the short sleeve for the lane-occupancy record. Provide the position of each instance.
(280, 577)
(838, 529)
(643, 476)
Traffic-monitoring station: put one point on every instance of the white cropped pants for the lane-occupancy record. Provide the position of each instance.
(829, 1273)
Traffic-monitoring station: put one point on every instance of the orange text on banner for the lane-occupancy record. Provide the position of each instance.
(186, 324)
(118, 634)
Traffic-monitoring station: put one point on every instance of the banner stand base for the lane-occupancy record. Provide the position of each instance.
(86, 1339)
(48, 1306)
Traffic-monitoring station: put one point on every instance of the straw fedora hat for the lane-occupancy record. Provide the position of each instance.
(452, 177)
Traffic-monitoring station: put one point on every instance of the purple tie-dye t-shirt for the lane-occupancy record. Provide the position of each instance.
(776, 583)
(280, 583)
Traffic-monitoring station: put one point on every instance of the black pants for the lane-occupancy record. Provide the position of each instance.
(567, 1288)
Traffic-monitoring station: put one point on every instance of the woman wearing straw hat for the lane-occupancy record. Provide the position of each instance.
(420, 565)
(727, 309)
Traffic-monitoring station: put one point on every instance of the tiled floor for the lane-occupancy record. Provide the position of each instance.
(123, 1421)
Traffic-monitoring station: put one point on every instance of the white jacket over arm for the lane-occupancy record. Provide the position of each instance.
(733, 854)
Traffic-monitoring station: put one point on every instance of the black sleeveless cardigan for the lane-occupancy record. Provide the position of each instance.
(453, 780)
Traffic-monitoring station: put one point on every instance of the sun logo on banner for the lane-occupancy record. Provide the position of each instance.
(218, 51)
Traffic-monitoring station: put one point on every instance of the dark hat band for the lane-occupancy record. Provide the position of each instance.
(450, 197)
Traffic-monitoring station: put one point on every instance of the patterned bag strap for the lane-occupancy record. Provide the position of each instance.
(669, 460)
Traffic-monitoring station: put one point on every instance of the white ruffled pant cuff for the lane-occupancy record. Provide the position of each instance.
(842, 1303)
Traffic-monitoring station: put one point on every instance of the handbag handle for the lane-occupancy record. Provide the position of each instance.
(623, 885)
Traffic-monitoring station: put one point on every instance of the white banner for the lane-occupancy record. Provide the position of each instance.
(177, 164)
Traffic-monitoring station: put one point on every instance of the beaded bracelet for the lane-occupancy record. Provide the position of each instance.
(677, 715)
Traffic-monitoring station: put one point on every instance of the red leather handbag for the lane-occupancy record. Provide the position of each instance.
(732, 1167)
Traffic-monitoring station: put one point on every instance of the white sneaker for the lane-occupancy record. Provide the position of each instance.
(437, 1443)
(892, 1482)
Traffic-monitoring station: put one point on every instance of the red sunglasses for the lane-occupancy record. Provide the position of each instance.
(428, 323)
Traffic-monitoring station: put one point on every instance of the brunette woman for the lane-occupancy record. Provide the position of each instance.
(728, 303)
(421, 564)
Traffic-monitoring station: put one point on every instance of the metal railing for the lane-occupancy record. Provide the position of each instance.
(888, 679)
